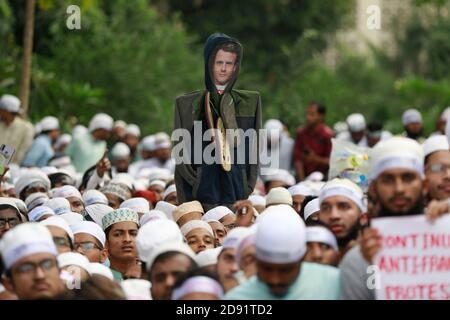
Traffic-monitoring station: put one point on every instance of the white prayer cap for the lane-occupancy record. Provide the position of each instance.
(37, 129)
(62, 140)
(31, 176)
(36, 199)
(133, 130)
(300, 189)
(120, 124)
(173, 246)
(79, 130)
(196, 224)
(24, 240)
(234, 237)
(280, 236)
(21, 206)
(311, 207)
(100, 269)
(157, 183)
(278, 195)
(101, 121)
(207, 257)
(434, 144)
(257, 200)
(315, 176)
(279, 175)
(49, 123)
(411, 116)
(198, 284)
(67, 192)
(152, 215)
(136, 289)
(273, 124)
(339, 127)
(94, 197)
(10, 103)
(58, 222)
(155, 233)
(140, 184)
(72, 218)
(159, 174)
(59, 205)
(166, 207)
(138, 204)
(345, 188)
(148, 143)
(162, 141)
(91, 228)
(185, 208)
(73, 259)
(170, 189)
(396, 152)
(96, 212)
(356, 122)
(322, 235)
(246, 241)
(37, 213)
(217, 213)
(11, 202)
(120, 151)
(48, 170)
(125, 179)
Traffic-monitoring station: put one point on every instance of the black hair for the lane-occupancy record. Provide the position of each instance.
(232, 47)
(321, 108)
(169, 254)
(304, 203)
(374, 126)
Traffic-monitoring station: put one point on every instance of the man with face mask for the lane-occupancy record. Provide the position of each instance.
(397, 178)
(282, 275)
(219, 106)
(412, 122)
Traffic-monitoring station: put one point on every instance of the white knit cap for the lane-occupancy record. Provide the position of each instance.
(300, 189)
(59, 205)
(137, 204)
(125, 179)
(133, 129)
(91, 228)
(170, 189)
(94, 197)
(162, 141)
(36, 199)
(434, 144)
(152, 215)
(58, 222)
(279, 175)
(322, 235)
(166, 207)
(208, 257)
(120, 151)
(159, 183)
(120, 124)
(273, 124)
(356, 122)
(196, 224)
(37, 213)
(198, 284)
(345, 188)
(62, 140)
(155, 233)
(315, 176)
(100, 269)
(246, 241)
(72, 218)
(257, 200)
(10, 103)
(234, 237)
(29, 177)
(148, 143)
(67, 192)
(217, 213)
(396, 152)
(101, 121)
(411, 116)
(278, 195)
(159, 174)
(96, 212)
(311, 207)
(176, 246)
(73, 259)
(136, 289)
(79, 130)
(49, 123)
(280, 236)
(24, 240)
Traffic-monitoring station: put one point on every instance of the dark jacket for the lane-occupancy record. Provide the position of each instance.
(209, 183)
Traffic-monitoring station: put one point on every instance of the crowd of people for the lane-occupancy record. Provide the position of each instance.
(95, 215)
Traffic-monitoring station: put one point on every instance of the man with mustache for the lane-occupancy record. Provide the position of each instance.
(341, 210)
(413, 124)
(397, 187)
(121, 228)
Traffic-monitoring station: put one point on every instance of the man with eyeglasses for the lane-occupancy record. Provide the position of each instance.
(437, 168)
(90, 241)
(9, 215)
(61, 233)
(29, 258)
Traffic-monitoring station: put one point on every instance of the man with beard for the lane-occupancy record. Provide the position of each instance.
(412, 122)
(397, 179)
(341, 209)
(41, 151)
(437, 167)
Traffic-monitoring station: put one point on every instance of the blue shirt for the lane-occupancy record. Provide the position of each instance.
(40, 152)
(315, 282)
